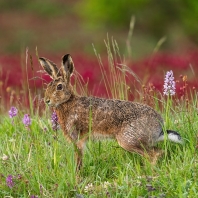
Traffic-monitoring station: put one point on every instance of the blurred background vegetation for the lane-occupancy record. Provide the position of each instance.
(59, 26)
(164, 38)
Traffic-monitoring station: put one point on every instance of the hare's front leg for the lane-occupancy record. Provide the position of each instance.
(80, 145)
(73, 135)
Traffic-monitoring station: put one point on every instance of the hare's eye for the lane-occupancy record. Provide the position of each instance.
(59, 87)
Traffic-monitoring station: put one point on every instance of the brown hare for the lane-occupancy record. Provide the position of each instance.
(136, 127)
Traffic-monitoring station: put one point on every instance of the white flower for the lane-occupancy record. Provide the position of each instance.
(5, 157)
(88, 188)
(106, 185)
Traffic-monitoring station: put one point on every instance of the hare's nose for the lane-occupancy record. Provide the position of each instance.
(47, 101)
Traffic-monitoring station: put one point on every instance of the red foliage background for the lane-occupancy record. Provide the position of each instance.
(151, 70)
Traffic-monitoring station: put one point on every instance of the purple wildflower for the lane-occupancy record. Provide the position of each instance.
(9, 181)
(169, 84)
(13, 112)
(26, 120)
(54, 120)
(33, 196)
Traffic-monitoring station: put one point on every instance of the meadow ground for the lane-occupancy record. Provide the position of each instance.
(36, 161)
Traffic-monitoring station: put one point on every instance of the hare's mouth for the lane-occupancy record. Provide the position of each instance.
(50, 104)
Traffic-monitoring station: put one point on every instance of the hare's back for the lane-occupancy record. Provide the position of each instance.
(120, 111)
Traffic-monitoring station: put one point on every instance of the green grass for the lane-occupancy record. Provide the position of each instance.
(37, 158)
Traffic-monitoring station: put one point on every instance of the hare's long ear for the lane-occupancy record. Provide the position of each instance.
(68, 67)
(50, 67)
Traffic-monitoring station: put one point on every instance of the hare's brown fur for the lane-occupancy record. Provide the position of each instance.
(136, 127)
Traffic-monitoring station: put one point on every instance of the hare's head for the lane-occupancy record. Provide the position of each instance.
(59, 90)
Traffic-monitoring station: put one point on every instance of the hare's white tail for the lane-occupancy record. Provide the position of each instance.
(171, 135)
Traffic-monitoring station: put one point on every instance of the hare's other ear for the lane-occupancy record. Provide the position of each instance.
(49, 67)
(68, 66)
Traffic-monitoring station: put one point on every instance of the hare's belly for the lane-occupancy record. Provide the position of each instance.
(101, 136)
(104, 129)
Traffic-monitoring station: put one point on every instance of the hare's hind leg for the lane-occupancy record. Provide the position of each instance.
(129, 145)
(154, 155)
(151, 154)
(132, 144)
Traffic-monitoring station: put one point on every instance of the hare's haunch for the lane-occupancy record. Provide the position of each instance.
(136, 127)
